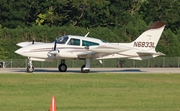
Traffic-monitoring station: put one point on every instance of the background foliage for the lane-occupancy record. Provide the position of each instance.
(110, 20)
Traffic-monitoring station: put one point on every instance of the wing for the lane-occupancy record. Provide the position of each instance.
(24, 44)
(90, 54)
(102, 50)
(108, 48)
(150, 53)
(40, 59)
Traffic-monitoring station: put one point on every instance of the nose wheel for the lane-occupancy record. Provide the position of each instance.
(30, 67)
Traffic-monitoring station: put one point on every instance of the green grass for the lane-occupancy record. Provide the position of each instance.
(90, 92)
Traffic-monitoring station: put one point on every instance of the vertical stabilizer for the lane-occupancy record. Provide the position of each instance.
(148, 40)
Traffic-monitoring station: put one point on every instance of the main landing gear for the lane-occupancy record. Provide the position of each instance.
(30, 67)
(84, 68)
(62, 67)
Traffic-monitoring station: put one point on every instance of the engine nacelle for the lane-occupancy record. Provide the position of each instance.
(67, 55)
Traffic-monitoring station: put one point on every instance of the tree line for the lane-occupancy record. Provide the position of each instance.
(110, 20)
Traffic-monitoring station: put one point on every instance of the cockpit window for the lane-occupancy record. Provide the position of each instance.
(62, 40)
(74, 42)
(88, 43)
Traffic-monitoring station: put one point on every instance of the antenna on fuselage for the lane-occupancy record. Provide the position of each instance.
(87, 34)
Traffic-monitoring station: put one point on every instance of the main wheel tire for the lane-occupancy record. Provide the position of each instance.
(62, 67)
(30, 69)
(84, 71)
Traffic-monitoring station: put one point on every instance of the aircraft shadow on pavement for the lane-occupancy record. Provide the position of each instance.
(124, 70)
(78, 71)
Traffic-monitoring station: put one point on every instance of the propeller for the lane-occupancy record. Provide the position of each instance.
(54, 51)
(55, 42)
(33, 41)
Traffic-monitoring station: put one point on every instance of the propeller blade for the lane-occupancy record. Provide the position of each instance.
(55, 44)
(54, 51)
(33, 40)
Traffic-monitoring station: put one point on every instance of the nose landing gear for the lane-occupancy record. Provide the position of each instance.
(30, 67)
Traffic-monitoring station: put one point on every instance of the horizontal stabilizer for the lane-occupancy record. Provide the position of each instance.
(150, 53)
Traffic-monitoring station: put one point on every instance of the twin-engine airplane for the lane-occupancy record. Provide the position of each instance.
(86, 48)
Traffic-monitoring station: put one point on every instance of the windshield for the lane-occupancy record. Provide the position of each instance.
(62, 40)
(104, 41)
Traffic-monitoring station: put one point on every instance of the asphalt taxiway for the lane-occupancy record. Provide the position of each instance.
(93, 70)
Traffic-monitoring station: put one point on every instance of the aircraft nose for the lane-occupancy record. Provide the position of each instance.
(19, 51)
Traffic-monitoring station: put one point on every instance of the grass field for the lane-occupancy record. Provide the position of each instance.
(90, 92)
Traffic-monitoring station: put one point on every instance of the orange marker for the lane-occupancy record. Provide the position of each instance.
(53, 104)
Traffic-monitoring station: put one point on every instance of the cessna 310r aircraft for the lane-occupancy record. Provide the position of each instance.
(86, 48)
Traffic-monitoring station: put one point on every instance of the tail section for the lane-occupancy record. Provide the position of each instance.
(148, 40)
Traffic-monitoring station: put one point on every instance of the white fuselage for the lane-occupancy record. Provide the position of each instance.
(78, 47)
(65, 50)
